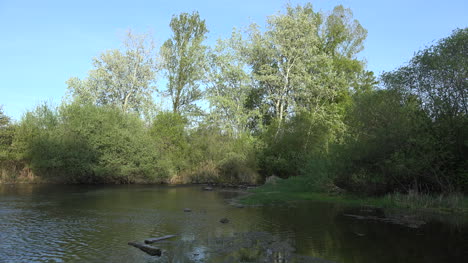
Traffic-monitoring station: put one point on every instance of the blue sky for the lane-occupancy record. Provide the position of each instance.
(43, 43)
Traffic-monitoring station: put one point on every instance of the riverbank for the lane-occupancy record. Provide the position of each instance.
(292, 189)
(296, 189)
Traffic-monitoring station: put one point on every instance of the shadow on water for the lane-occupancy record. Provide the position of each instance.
(95, 223)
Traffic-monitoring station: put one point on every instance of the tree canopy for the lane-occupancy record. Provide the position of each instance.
(184, 60)
(121, 78)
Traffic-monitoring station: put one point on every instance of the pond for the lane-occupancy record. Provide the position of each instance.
(63, 223)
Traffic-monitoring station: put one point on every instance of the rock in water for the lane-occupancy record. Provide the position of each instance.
(224, 220)
(187, 210)
(150, 250)
(207, 188)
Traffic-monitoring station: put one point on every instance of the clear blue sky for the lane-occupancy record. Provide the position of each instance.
(43, 43)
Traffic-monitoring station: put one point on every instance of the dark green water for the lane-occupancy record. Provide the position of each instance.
(94, 223)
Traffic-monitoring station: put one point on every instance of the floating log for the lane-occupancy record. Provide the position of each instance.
(153, 251)
(156, 239)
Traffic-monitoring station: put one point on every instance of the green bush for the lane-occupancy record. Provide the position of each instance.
(87, 144)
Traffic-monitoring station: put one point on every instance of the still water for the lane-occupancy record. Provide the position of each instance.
(41, 223)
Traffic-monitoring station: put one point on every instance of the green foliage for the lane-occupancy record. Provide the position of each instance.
(304, 70)
(301, 63)
(437, 76)
(412, 136)
(280, 58)
(232, 159)
(121, 78)
(87, 144)
(185, 61)
(168, 132)
(384, 129)
(6, 135)
(229, 88)
(301, 150)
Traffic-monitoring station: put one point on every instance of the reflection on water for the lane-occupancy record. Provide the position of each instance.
(94, 224)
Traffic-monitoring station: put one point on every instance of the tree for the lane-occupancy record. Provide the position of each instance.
(6, 134)
(229, 87)
(79, 143)
(438, 77)
(302, 64)
(341, 34)
(184, 61)
(168, 132)
(121, 78)
(387, 145)
(279, 57)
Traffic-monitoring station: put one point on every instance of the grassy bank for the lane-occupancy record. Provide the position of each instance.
(298, 188)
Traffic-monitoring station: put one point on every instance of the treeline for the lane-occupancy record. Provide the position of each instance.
(290, 99)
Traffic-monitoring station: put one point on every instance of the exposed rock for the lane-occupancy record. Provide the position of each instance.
(187, 210)
(207, 188)
(150, 250)
(156, 239)
(224, 220)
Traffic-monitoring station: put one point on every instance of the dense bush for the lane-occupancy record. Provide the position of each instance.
(382, 150)
(413, 135)
(87, 144)
(6, 136)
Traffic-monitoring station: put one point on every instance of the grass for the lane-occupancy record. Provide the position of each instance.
(298, 188)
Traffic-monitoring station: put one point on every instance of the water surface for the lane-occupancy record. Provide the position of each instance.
(57, 223)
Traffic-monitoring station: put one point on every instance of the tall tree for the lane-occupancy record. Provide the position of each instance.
(184, 60)
(301, 63)
(121, 78)
(229, 87)
(280, 56)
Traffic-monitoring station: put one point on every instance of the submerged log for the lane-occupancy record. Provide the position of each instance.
(156, 239)
(153, 251)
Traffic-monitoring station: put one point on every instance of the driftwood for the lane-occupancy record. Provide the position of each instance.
(153, 251)
(156, 239)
